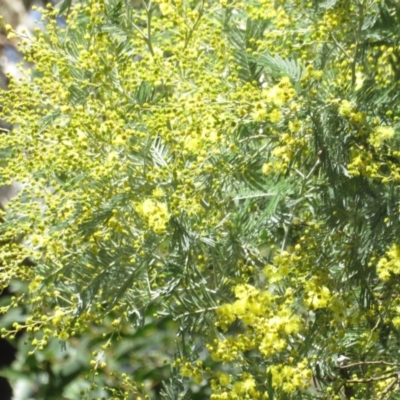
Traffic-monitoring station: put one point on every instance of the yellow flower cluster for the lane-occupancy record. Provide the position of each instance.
(291, 378)
(317, 296)
(389, 265)
(155, 213)
(380, 135)
(268, 327)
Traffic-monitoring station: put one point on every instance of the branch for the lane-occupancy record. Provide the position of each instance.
(357, 37)
(389, 387)
(147, 37)
(374, 378)
(340, 46)
(369, 363)
(191, 30)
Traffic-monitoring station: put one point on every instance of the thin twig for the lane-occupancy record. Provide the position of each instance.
(140, 31)
(191, 30)
(369, 363)
(389, 387)
(252, 137)
(357, 37)
(197, 311)
(149, 15)
(374, 378)
(340, 46)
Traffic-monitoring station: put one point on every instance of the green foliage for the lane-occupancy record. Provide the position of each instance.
(233, 167)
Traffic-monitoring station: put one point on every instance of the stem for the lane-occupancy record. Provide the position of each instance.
(369, 363)
(374, 379)
(149, 15)
(340, 46)
(389, 387)
(357, 37)
(189, 36)
(197, 312)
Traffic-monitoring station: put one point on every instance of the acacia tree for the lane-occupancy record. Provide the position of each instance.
(233, 165)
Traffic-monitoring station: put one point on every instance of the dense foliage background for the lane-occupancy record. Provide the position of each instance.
(226, 172)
